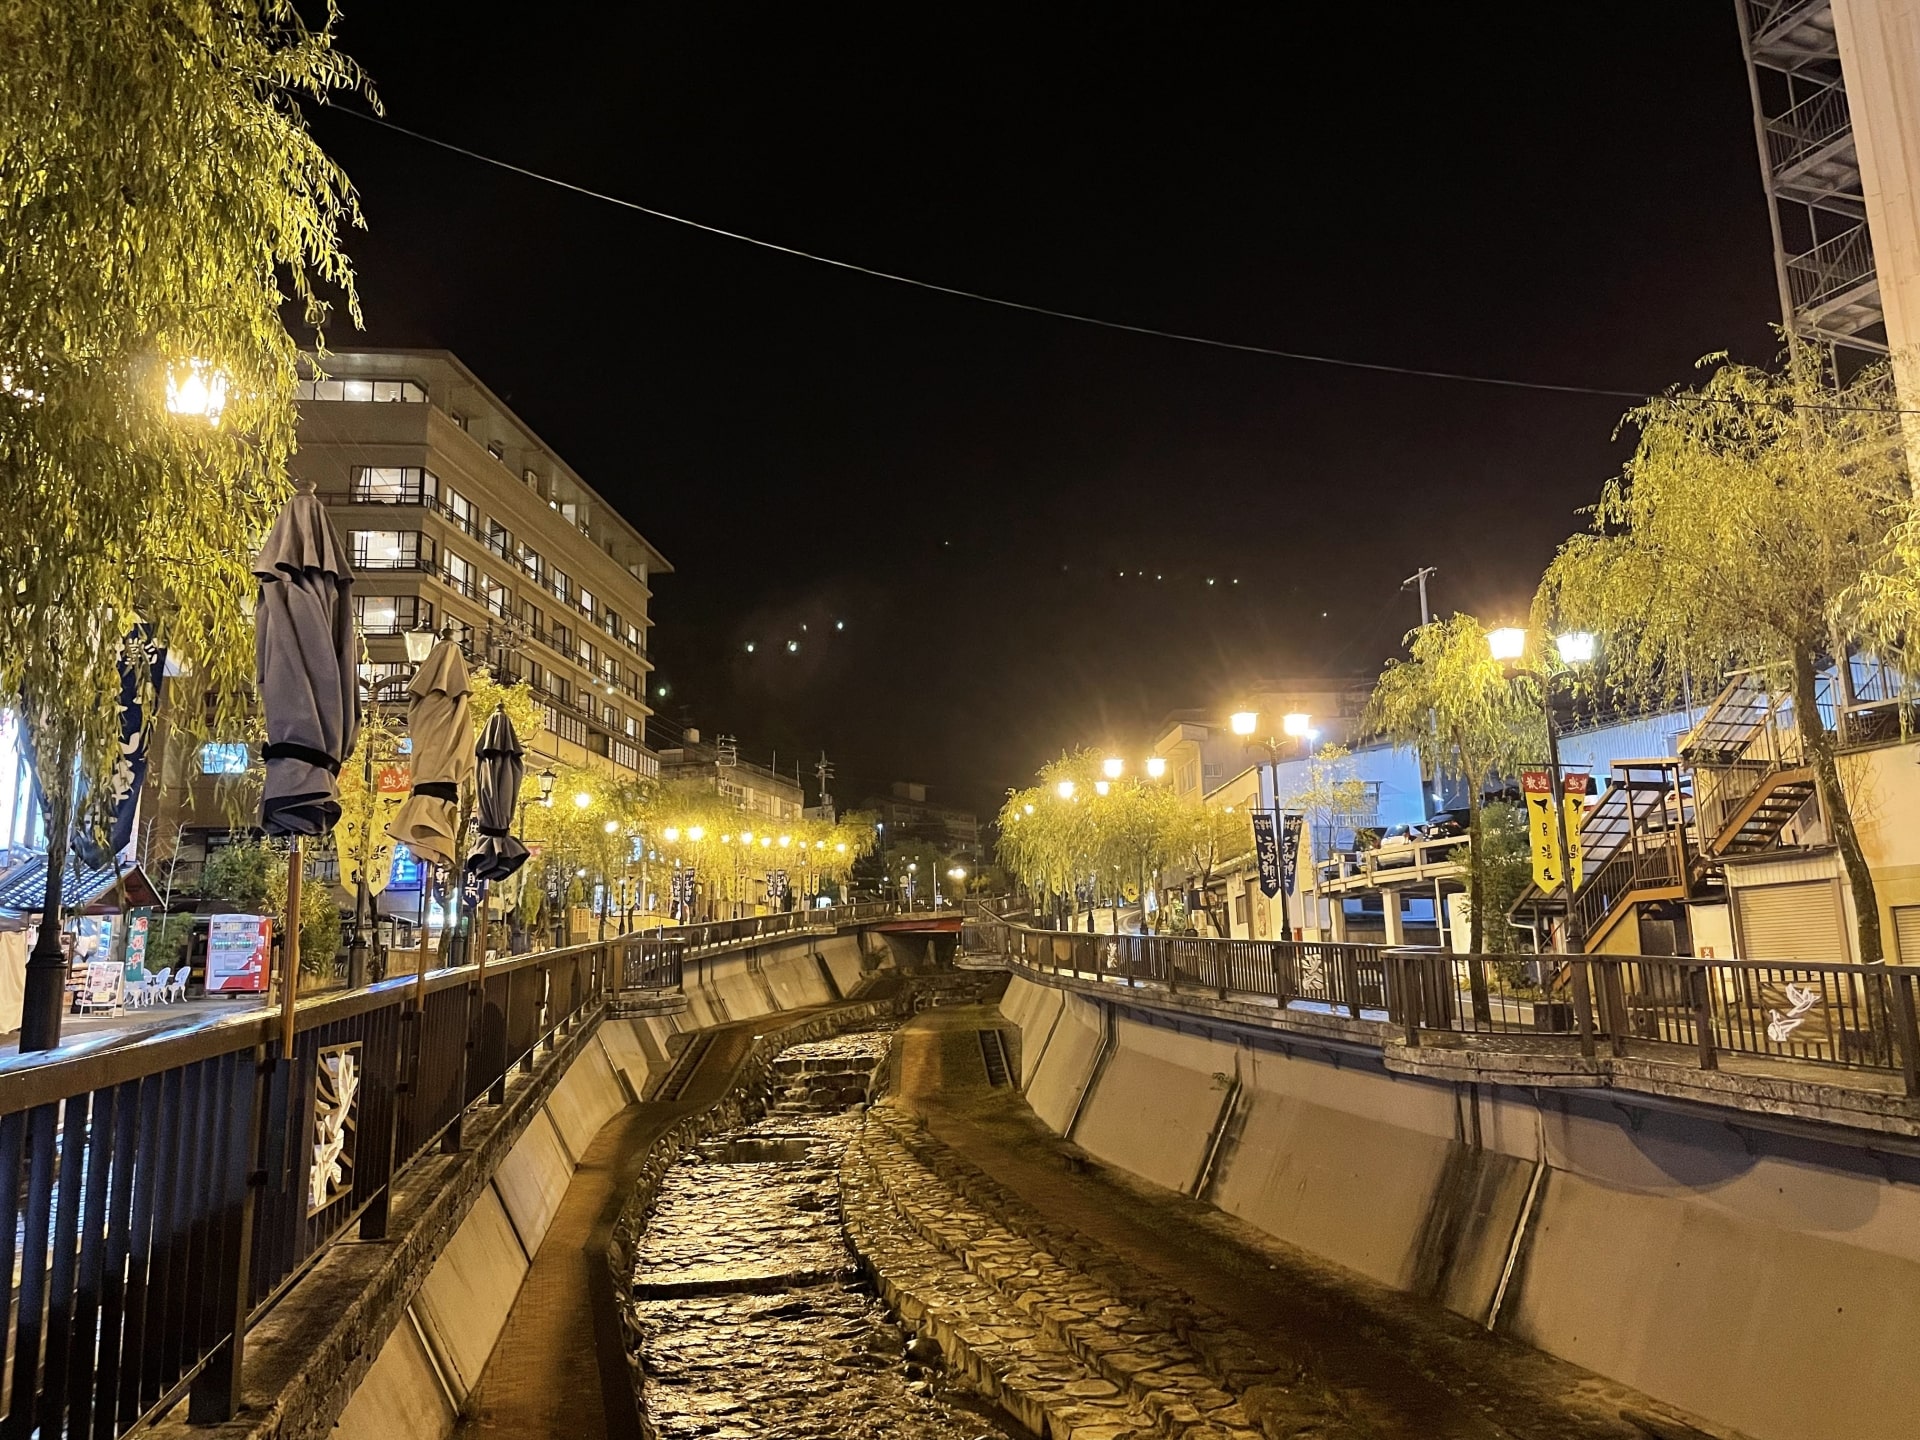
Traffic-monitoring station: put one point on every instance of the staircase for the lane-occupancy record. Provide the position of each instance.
(1756, 822)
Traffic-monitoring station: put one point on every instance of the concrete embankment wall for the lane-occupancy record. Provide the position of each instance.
(1768, 1283)
(432, 1360)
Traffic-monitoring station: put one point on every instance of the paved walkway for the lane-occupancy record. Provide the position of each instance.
(559, 1368)
(1397, 1367)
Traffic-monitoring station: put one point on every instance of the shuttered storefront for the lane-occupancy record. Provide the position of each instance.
(1801, 921)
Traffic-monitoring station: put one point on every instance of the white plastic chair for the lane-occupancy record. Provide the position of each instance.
(177, 987)
(156, 987)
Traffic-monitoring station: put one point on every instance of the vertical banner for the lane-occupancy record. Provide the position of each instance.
(1542, 843)
(1266, 848)
(1289, 852)
(1574, 802)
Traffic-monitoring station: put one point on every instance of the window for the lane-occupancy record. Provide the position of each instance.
(223, 757)
(389, 549)
(457, 418)
(499, 539)
(588, 656)
(460, 574)
(393, 485)
(1187, 778)
(530, 615)
(460, 511)
(633, 727)
(530, 560)
(531, 479)
(499, 599)
(586, 603)
(633, 636)
(562, 639)
(1210, 771)
(562, 586)
(391, 614)
(411, 391)
(497, 450)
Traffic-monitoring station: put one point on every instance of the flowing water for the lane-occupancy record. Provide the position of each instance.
(754, 1319)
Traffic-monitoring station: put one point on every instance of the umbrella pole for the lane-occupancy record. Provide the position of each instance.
(290, 951)
(426, 934)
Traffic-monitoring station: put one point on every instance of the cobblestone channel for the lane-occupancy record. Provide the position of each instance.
(753, 1317)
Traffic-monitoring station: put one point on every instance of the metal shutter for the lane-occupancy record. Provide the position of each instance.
(1906, 934)
(1793, 922)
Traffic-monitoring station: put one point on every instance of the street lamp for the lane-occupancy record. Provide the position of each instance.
(547, 777)
(1156, 766)
(1064, 789)
(1295, 725)
(1113, 766)
(1575, 647)
(198, 389)
(582, 799)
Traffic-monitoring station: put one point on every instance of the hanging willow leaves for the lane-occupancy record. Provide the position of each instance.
(1758, 525)
(161, 201)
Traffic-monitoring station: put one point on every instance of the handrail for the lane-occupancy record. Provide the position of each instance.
(1830, 1015)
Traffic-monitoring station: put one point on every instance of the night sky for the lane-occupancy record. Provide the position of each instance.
(1559, 196)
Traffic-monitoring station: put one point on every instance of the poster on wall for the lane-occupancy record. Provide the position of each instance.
(237, 950)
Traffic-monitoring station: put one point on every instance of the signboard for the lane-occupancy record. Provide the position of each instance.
(391, 784)
(139, 927)
(776, 884)
(1543, 836)
(237, 954)
(1266, 848)
(103, 983)
(1289, 852)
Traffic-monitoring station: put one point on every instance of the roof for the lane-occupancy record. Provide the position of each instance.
(24, 888)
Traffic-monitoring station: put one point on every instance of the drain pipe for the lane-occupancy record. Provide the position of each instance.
(1526, 1217)
(1219, 1136)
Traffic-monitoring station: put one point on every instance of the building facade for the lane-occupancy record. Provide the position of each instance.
(755, 789)
(458, 518)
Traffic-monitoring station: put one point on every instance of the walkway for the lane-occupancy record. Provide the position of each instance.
(1393, 1366)
(559, 1368)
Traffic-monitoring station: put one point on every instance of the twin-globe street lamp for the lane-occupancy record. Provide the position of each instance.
(1297, 726)
(1575, 648)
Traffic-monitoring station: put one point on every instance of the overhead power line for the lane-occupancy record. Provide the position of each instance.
(1302, 356)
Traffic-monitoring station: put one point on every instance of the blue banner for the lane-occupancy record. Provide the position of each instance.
(1289, 853)
(1266, 849)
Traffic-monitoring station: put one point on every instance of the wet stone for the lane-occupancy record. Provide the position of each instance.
(751, 1318)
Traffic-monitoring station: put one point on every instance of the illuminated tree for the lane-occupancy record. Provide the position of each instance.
(1755, 527)
(1455, 704)
(160, 203)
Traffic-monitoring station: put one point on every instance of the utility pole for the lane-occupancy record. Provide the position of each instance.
(1419, 578)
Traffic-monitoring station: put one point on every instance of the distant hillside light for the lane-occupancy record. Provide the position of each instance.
(1507, 643)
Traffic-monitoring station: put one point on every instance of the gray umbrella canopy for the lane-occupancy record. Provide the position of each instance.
(442, 733)
(304, 655)
(502, 767)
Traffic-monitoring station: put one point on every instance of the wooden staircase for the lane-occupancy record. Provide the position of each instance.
(1756, 822)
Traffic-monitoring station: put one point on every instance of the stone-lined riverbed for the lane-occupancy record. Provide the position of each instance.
(753, 1316)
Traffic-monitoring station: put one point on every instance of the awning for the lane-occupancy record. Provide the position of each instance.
(24, 888)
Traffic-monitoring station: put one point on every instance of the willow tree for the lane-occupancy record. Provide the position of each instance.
(161, 201)
(1753, 528)
(1455, 704)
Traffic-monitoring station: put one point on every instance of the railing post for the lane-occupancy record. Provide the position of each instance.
(1702, 996)
(1906, 1037)
(1407, 995)
(1349, 962)
(1582, 1003)
(1614, 997)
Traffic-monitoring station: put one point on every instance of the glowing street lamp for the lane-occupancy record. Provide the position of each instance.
(582, 799)
(1113, 767)
(200, 392)
(1297, 725)
(547, 777)
(671, 834)
(1508, 643)
(696, 833)
(1064, 789)
(1101, 787)
(1243, 721)
(1156, 767)
(612, 827)
(1576, 647)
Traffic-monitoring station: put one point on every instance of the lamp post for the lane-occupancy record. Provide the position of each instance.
(1297, 726)
(1575, 648)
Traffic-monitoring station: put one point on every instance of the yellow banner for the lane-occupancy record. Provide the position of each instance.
(1543, 836)
(1576, 808)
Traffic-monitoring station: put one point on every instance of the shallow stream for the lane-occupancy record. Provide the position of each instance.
(754, 1319)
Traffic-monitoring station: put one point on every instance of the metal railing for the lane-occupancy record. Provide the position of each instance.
(156, 1197)
(1832, 267)
(1836, 1016)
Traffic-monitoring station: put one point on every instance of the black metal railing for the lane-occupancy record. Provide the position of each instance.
(155, 1197)
(1840, 1017)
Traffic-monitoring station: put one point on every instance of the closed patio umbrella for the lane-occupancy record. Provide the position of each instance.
(304, 654)
(497, 788)
(441, 730)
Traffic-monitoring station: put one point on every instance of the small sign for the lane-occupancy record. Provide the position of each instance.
(1266, 849)
(237, 951)
(101, 988)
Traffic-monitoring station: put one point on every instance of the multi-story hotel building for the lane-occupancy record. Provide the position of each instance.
(458, 515)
